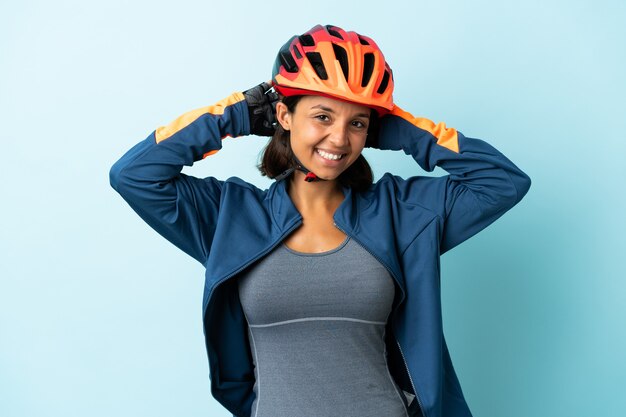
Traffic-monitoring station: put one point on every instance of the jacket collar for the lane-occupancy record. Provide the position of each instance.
(284, 213)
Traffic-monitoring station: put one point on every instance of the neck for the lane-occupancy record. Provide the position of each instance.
(317, 196)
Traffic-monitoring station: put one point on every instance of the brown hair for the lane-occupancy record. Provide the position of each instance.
(277, 157)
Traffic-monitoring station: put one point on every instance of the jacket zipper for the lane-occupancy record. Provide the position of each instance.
(410, 378)
(419, 402)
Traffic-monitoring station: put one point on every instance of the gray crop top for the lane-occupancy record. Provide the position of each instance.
(316, 332)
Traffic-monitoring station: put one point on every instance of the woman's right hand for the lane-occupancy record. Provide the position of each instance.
(261, 101)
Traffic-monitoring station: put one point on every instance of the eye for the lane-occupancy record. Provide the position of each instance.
(322, 117)
(359, 124)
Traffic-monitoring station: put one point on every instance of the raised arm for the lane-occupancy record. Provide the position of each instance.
(180, 207)
(482, 183)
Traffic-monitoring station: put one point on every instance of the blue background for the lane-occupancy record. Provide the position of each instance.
(99, 316)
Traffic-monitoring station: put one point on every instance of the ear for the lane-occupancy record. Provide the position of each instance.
(283, 116)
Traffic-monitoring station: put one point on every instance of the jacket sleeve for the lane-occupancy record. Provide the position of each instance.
(482, 183)
(182, 208)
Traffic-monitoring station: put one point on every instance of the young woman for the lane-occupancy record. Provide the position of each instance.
(322, 294)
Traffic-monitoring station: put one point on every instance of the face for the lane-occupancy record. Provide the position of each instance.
(327, 135)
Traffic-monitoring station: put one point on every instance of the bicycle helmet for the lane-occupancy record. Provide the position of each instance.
(331, 62)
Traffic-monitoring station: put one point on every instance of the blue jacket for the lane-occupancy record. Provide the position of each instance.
(404, 223)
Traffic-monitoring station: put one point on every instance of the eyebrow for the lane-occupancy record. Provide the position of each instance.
(328, 109)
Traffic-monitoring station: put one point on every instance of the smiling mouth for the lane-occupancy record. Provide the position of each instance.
(330, 156)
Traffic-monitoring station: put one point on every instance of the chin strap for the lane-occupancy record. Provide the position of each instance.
(312, 177)
(309, 177)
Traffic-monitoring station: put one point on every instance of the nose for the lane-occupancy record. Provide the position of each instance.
(339, 135)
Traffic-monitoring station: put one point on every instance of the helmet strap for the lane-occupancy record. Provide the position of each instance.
(309, 176)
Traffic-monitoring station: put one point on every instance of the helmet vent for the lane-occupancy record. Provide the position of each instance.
(334, 32)
(363, 41)
(318, 65)
(368, 68)
(297, 52)
(383, 83)
(287, 61)
(342, 57)
(306, 40)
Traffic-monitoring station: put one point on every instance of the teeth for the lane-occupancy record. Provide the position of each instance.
(330, 156)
